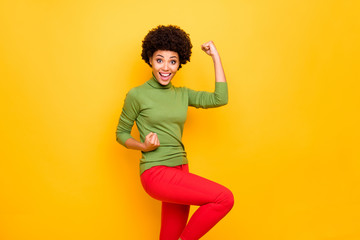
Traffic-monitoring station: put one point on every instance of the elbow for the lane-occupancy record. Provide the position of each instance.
(222, 102)
(118, 139)
(221, 99)
(225, 102)
(121, 138)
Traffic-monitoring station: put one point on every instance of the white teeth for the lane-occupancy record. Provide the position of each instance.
(165, 75)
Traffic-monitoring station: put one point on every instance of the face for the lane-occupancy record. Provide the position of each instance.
(164, 65)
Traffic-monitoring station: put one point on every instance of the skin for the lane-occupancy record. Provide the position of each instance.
(164, 65)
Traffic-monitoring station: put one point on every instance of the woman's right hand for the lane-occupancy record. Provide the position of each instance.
(151, 142)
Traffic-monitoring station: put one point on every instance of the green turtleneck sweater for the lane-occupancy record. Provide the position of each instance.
(162, 110)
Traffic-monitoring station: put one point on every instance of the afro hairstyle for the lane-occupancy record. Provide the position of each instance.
(171, 38)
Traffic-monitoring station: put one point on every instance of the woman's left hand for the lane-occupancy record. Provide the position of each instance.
(209, 48)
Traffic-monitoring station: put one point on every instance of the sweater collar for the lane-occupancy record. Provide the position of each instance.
(155, 84)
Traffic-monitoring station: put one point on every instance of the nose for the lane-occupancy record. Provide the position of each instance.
(165, 66)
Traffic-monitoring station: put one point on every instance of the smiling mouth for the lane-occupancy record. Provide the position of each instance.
(165, 74)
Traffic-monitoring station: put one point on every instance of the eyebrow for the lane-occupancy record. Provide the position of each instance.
(164, 57)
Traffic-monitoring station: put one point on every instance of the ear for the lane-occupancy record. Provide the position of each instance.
(150, 60)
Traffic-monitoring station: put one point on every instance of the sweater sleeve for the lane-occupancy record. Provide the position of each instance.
(128, 115)
(202, 99)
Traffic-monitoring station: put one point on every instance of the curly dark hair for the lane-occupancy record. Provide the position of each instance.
(171, 38)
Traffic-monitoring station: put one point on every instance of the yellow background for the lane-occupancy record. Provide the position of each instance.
(287, 144)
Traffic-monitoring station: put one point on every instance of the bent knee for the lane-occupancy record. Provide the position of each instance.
(227, 199)
(230, 200)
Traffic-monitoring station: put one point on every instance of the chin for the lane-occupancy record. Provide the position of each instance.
(163, 82)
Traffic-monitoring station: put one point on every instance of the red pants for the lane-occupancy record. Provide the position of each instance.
(178, 189)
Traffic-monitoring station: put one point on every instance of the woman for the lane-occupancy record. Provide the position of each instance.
(159, 110)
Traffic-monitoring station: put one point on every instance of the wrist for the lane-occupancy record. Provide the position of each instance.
(142, 147)
(216, 57)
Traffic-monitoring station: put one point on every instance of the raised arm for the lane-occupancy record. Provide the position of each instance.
(211, 50)
(202, 99)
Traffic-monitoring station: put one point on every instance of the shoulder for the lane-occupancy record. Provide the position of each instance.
(133, 91)
(131, 94)
(139, 94)
(137, 90)
(180, 89)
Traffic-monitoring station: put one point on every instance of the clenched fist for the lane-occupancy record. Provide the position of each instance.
(209, 48)
(151, 142)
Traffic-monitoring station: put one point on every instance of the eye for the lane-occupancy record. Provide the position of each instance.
(173, 62)
(158, 60)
